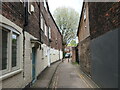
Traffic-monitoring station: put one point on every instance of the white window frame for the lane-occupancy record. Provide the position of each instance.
(46, 29)
(84, 13)
(42, 22)
(17, 61)
(49, 33)
(9, 54)
(8, 48)
(45, 4)
(29, 7)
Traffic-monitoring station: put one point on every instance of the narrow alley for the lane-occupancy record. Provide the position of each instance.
(64, 75)
(68, 75)
(54, 44)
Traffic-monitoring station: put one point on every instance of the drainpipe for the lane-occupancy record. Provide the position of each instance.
(48, 34)
(25, 29)
(48, 48)
(49, 62)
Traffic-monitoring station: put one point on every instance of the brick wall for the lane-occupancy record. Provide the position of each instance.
(14, 11)
(83, 30)
(56, 36)
(73, 54)
(33, 21)
(17, 80)
(104, 16)
(45, 14)
(85, 56)
(84, 40)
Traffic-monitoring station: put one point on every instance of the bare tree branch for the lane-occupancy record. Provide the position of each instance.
(67, 21)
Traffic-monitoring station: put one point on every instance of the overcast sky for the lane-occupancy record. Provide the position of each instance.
(75, 4)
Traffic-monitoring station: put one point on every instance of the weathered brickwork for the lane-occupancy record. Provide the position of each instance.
(56, 37)
(84, 39)
(33, 21)
(104, 16)
(28, 24)
(45, 15)
(101, 17)
(14, 11)
(59, 41)
(74, 54)
(85, 56)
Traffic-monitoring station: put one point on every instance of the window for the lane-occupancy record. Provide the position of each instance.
(46, 30)
(29, 7)
(4, 49)
(45, 4)
(49, 32)
(10, 38)
(14, 50)
(42, 22)
(84, 14)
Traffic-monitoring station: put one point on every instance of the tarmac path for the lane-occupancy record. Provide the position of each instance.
(68, 75)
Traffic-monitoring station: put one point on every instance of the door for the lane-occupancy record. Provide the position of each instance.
(49, 61)
(33, 64)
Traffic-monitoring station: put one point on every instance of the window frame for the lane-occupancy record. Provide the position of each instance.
(50, 33)
(45, 4)
(29, 7)
(46, 29)
(42, 22)
(85, 14)
(11, 30)
(17, 61)
(8, 48)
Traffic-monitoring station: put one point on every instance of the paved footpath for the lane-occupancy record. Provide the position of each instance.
(69, 75)
(46, 76)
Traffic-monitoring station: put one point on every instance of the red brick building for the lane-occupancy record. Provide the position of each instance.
(98, 41)
(31, 41)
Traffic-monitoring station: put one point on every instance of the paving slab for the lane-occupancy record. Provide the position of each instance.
(69, 75)
(44, 79)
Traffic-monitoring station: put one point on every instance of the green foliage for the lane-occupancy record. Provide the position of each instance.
(72, 43)
(67, 21)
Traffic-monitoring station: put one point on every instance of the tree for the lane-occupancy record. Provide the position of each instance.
(67, 21)
(72, 43)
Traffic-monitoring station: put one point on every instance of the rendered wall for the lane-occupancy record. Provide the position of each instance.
(104, 51)
(17, 80)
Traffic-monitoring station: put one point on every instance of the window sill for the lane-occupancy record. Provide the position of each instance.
(3, 77)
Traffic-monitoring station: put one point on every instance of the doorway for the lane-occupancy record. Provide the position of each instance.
(33, 64)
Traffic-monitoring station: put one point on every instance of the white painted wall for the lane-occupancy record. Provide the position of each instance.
(17, 81)
(54, 54)
(7, 80)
